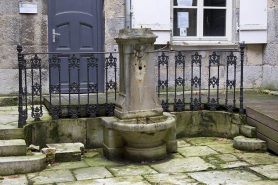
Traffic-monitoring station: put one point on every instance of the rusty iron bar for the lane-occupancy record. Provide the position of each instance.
(151, 120)
(141, 121)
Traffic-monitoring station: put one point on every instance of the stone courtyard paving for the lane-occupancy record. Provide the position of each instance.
(199, 161)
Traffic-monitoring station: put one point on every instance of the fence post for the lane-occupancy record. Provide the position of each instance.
(242, 46)
(21, 119)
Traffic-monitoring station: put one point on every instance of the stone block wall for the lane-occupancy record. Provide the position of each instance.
(270, 50)
(114, 21)
(30, 30)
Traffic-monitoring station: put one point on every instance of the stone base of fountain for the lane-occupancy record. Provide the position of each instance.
(142, 139)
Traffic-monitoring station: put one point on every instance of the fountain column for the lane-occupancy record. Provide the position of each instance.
(139, 131)
(137, 90)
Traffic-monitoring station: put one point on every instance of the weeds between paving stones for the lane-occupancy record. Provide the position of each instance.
(214, 160)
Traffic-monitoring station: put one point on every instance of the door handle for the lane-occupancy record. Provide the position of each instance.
(54, 34)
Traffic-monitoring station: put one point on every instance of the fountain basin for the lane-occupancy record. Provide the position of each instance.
(143, 139)
(151, 134)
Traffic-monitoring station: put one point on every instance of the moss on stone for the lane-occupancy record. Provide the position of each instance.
(243, 119)
(54, 132)
(214, 160)
(28, 134)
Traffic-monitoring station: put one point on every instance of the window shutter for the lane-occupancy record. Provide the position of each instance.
(154, 14)
(253, 21)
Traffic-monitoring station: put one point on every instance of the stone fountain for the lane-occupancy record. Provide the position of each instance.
(139, 131)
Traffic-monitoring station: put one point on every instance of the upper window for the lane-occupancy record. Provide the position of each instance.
(202, 19)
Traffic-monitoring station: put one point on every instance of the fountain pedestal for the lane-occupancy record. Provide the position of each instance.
(139, 131)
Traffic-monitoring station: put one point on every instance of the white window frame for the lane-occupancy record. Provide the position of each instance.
(200, 16)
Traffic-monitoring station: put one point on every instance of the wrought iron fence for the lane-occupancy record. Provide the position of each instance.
(195, 61)
(73, 87)
(185, 74)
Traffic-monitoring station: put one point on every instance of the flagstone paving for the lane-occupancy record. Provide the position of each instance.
(199, 161)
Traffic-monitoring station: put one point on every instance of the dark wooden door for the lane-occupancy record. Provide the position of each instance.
(75, 26)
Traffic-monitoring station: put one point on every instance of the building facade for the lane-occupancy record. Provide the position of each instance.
(184, 24)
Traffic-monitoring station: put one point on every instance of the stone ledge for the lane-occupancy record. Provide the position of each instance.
(249, 144)
(248, 131)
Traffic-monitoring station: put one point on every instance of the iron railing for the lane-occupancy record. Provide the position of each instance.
(195, 63)
(73, 87)
(79, 95)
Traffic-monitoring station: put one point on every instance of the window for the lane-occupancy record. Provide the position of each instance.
(202, 20)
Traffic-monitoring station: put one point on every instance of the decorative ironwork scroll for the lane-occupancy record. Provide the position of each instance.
(55, 108)
(92, 63)
(74, 87)
(213, 103)
(179, 81)
(231, 84)
(163, 60)
(36, 88)
(196, 81)
(110, 62)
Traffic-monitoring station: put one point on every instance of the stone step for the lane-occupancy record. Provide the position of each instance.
(14, 147)
(66, 152)
(11, 133)
(248, 131)
(22, 164)
(249, 144)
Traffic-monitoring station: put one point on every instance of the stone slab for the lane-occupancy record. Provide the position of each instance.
(55, 176)
(66, 152)
(234, 164)
(129, 180)
(196, 151)
(68, 165)
(22, 164)
(224, 148)
(92, 173)
(130, 170)
(14, 147)
(179, 165)
(223, 177)
(265, 182)
(257, 158)
(227, 157)
(270, 171)
(182, 143)
(14, 179)
(101, 161)
(249, 144)
(173, 178)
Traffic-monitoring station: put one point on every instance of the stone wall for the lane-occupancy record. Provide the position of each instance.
(270, 50)
(114, 21)
(30, 30)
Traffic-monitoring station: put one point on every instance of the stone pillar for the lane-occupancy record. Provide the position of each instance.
(137, 90)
